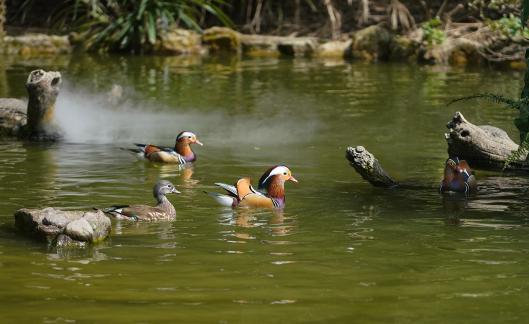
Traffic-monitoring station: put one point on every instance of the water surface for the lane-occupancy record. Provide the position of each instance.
(341, 251)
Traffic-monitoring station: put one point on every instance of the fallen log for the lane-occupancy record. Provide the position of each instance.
(371, 170)
(481, 146)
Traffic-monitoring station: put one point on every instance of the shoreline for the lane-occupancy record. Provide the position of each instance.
(371, 44)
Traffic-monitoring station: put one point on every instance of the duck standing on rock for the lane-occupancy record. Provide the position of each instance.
(180, 154)
(164, 210)
(458, 177)
(271, 193)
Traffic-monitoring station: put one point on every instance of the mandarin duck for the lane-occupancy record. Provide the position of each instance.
(180, 154)
(458, 177)
(270, 193)
(164, 210)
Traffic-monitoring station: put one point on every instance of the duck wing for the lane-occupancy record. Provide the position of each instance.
(244, 188)
(257, 199)
(167, 156)
(143, 212)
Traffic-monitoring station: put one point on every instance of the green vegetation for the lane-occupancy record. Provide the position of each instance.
(131, 25)
(433, 32)
(510, 26)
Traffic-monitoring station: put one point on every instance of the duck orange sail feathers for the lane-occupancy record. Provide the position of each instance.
(271, 193)
(180, 154)
(458, 177)
(164, 210)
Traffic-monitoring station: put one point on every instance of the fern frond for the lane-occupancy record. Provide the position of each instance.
(511, 103)
(519, 154)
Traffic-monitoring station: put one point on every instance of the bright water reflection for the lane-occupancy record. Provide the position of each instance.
(341, 251)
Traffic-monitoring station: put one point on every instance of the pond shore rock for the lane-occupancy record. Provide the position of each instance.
(179, 41)
(222, 39)
(36, 44)
(370, 44)
(333, 49)
(12, 117)
(63, 228)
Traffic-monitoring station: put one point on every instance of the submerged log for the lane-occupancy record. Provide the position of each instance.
(36, 122)
(482, 146)
(369, 168)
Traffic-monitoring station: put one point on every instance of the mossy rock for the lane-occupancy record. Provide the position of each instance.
(222, 39)
(371, 44)
(178, 41)
(333, 49)
(36, 45)
(403, 48)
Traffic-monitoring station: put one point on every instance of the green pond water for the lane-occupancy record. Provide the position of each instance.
(341, 251)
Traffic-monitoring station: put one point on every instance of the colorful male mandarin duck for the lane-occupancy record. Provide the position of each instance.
(180, 154)
(271, 193)
(458, 177)
(164, 210)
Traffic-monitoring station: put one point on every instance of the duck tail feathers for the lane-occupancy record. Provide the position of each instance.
(223, 200)
(232, 191)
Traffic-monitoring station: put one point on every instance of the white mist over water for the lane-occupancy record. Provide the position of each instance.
(91, 118)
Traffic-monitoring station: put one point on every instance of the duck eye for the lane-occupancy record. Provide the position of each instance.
(189, 137)
(284, 173)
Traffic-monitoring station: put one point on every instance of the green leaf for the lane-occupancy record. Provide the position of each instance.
(151, 29)
(525, 12)
(510, 103)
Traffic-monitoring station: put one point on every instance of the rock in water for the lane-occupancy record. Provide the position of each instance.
(80, 229)
(59, 227)
(100, 224)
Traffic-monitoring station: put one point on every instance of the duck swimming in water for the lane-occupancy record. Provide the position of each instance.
(458, 177)
(180, 154)
(164, 210)
(270, 193)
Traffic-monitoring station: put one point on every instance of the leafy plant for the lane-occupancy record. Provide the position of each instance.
(433, 32)
(509, 26)
(131, 24)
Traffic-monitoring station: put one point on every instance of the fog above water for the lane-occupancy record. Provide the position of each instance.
(87, 117)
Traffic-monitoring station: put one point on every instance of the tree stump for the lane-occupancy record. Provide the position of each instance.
(36, 122)
(43, 89)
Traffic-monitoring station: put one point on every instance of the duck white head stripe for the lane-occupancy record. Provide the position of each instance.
(185, 134)
(276, 171)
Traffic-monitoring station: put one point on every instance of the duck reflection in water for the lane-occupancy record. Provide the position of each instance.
(454, 207)
(183, 171)
(273, 220)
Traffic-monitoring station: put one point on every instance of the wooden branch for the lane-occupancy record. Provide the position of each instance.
(441, 9)
(369, 167)
(482, 146)
(43, 88)
(335, 18)
(364, 13)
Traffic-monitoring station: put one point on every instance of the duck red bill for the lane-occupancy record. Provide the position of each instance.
(293, 179)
